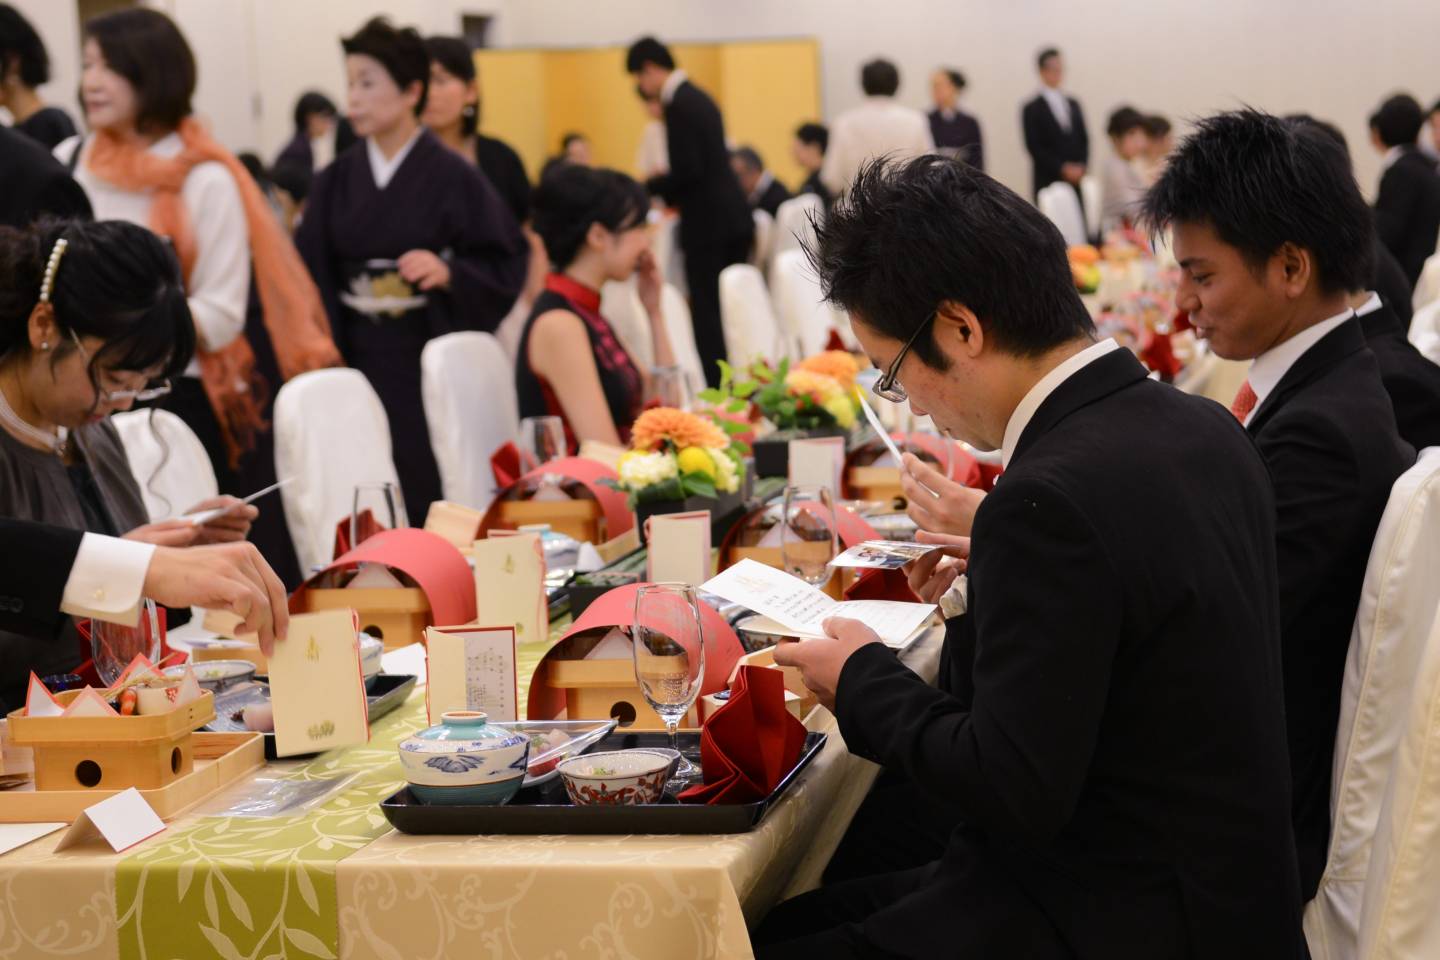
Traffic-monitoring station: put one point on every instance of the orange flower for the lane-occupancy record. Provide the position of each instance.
(817, 386)
(836, 364)
(682, 429)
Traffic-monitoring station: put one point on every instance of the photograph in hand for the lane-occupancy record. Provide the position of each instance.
(882, 554)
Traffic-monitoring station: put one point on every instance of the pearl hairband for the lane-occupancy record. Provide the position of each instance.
(51, 266)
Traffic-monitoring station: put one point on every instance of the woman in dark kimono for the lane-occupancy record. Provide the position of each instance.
(406, 241)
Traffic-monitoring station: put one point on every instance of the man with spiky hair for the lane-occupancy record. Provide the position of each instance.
(1270, 242)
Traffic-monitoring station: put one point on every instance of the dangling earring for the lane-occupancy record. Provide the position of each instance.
(469, 112)
(44, 345)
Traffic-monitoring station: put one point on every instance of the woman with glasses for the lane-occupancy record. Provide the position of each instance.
(93, 317)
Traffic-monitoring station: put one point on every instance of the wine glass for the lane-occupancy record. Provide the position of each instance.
(669, 388)
(669, 643)
(807, 533)
(377, 506)
(542, 439)
(113, 646)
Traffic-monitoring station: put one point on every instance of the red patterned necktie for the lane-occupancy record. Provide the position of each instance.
(1244, 402)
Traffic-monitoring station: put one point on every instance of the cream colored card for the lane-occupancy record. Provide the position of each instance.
(819, 462)
(470, 668)
(679, 548)
(123, 820)
(456, 522)
(316, 686)
(510, 585)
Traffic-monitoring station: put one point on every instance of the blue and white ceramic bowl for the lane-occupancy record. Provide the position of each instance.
(464, 760)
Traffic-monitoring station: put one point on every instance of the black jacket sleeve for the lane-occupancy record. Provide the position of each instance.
(34, 585)
(1396, 201)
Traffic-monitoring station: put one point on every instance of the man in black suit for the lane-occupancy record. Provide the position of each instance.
(1271, 238)
(715, 223)
(955, 132)
(1407, 208)
(808, 150)
(36, 184)
(1055, 133)
(1411, 379)
(1117, 759)
(762, 190)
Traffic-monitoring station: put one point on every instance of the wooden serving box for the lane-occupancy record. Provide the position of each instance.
(874, 483)
(606, 688)
(397, 616)
(582, 519)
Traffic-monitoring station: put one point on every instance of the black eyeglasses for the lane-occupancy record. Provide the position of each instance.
(886, 388)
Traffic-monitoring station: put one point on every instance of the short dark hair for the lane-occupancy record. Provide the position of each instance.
(294, 177)
(455, 58)
(1398, 121)
(146, 48)
(19, 42)
(1259, 183)
(398, 49)
(1305, 122)
(117, 281)
(1123, 120)
(570, 138)
(749, 156)
(312, 102)
(911, 235)
(648, 50)
(956, 77)
(879, 78)
(815, 134)
(571, 197)
(1156, 126)
(1044, 55)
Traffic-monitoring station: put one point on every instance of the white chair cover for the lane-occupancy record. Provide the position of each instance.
(751, 332)
(1425, 330)
(792, 223)
(665, 245)
(805, 318)
(468, 387)
(764, 238)
(1392, 624)
(330, 434)
(620, 304)
(1090, 190)
(681, 329)
(168, 461)
(1427, 287)
(1062, 207)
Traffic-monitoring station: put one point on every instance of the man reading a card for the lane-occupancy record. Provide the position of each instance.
(1115, 750)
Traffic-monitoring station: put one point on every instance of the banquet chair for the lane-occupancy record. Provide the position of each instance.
(1425, 330)
(1393, 623)
(764, 239)
(805, 318)
(1061, 207)
(749, 320)
(665, 245)
(793, 223)
(1090, 192)
(1427, 285)
(620, 304)
(681, 329)
(331, 433)
(468, 388)
(168, 461)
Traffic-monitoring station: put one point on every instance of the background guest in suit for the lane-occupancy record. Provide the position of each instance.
(1159, 144)
(879, 127)
(808, 149)
(35, 184)
(1117, 762)
(1431, 144)
(24, 65)
(321, 134)
(575, 148)
(1407, 208)
(1271, 238)
(762, 190)
(1054, 126)
(716, 227)
(955, 132)
(1122, 185)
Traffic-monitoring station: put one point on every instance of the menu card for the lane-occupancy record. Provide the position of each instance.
(802, 609)
(819, 461)
(470, 668)
(679, 547)
(510, 585)
(316, 687)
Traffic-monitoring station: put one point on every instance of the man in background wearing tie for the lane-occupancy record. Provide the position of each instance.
(1270, 241)
(1055, 133)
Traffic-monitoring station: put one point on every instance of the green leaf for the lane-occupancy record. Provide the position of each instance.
(224, 947)
(743, 390)
(697, 484)
(237, 903)
(183, 876)
(308, 942)
(736, 406)
(727, 373)
(732, 428)
(212, 911)
(711, 395)
(307, 888)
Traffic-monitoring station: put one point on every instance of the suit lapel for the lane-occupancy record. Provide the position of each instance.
(1099, 378)
(1335, 346)
(1380, 322)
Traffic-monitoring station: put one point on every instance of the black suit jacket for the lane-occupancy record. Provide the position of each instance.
(30, 592)
(701, 183)
(1327, 433)
(774, 195)
(1411, 379)
(1117, 757)
(35, 184)
(1407, 210)
(1389, 281)
(960, 135)
(813, 185)
(1051, 145)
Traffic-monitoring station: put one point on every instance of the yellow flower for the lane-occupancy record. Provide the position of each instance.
(682, 429)
(696, 460)
(836, 364)
(816, 386)
(842, 409)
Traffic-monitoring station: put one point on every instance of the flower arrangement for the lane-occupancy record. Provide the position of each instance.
(674, 455)
(819, 391)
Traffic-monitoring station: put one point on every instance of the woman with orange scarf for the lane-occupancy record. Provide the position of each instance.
(150, 162)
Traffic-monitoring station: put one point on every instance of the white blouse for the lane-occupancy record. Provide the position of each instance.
(219, 284)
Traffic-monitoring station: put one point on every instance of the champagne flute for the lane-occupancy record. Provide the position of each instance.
(808, 540)
(669, 388)
(669, 644)
(542, 439)
(377, 504)
(114, 645)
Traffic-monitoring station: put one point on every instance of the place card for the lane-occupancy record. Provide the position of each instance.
(39, 701)
(679, 547)
(122, 820)
(471, 668)
(510, 585)
(457, 523)
(15, 835)
(818, 462)
(316, 686)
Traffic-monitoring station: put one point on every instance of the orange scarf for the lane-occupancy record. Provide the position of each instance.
(294, 315)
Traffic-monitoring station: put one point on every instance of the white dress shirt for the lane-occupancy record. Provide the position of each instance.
(1369, 306)
(1046, 385)
(322, 151)
(878, 127)
(219, 283)
(383, 170)
(1391, 155)
(672, 83)
(1268, 369)
(1059, 105)
(106, 579)
(653, 156)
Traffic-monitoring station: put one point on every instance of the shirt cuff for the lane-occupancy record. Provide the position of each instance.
(107, 579)
(954, 602)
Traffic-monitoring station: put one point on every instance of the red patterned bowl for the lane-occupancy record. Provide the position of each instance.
(617, 777)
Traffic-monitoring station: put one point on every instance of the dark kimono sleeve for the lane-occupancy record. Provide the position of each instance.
(488, 256)
(312, 240)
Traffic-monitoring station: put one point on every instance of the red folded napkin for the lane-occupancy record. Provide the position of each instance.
(875, 584)
(506, 465)
(368, 528)
(749, 744)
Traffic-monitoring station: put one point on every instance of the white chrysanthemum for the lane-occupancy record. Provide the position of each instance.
(727, 477)
(640, 470)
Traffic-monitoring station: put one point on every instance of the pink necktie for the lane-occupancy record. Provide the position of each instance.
(1244, 402)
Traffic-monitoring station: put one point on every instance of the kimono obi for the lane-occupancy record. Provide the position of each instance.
(375, 289)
